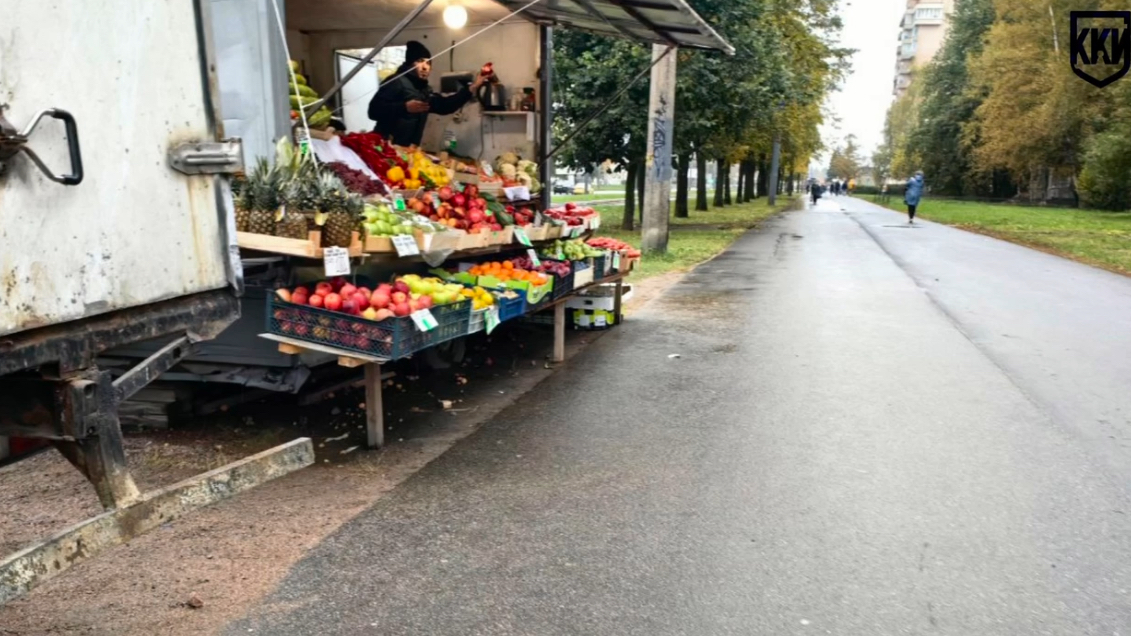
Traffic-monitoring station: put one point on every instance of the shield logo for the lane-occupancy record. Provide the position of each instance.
(1101, 46)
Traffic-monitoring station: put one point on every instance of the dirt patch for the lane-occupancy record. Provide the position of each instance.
(195, 575)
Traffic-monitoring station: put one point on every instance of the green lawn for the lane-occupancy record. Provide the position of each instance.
(597, 196)
(690, 245)
(1098, 238)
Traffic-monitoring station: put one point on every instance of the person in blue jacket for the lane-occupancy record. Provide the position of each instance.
(913, 195)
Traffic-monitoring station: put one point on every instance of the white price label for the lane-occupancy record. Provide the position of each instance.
(398, 203)
(594, 222)
(424, 320)
(405, 245)
(336, 261)
(576, 231)
(492, 318)
(520, 234)
(616, 261)
(534, 260)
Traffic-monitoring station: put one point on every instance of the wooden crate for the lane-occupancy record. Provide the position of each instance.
(502, 237)
(310, 247)
(475, 241)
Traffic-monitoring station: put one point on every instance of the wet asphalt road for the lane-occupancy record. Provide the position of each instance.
(869, 430)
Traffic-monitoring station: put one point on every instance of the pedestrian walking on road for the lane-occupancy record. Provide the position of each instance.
(913, 195)
(815, 192)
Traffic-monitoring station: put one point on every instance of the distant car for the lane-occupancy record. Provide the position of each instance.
(562, 189)
(579, 189)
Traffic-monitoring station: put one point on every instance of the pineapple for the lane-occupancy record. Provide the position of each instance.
(289, 220)
(242, 195)
(340, 211)
(263, 198)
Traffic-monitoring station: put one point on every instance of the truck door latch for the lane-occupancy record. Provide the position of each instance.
(208, 157)
(13, 142)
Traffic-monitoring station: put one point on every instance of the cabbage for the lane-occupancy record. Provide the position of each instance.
(529, 167)
(507, 157)
(508, 170)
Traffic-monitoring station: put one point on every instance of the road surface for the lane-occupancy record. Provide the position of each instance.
(869, 429)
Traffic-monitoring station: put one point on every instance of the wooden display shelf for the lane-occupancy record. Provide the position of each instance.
(310, 247)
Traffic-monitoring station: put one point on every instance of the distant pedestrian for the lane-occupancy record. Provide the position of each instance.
(815, 192)
(851, 187)
(913, 195)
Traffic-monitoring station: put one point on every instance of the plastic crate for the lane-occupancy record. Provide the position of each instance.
(599, 266)
(393, 339)
(510, 308)
(562, 284)
(478, 321)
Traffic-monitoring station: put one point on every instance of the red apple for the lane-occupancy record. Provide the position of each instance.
(316, 300)
(301, 329)
(459, 201)
(496, 227)
(399, 297)
(427, 198)
(347, 290)
(445, 193)
(475, 216)
(338, 282)
(401, 309)
(365, 290)
(425, 302)
(323, 288)
(401, 286)
(349, 307)
(384, 288)
(414, 304)
(379, 300)
(362, 300)
(384, 314)
(471, 190)
(299, 299)
(301, 289)
(333, 302)
(481, 203)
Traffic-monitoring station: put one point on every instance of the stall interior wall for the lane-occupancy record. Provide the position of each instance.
(512, 47)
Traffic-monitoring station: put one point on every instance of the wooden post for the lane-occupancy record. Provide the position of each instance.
(617, 315)
(374, 410)
(559, 332)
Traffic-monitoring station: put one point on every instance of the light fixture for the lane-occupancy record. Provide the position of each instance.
(455, 16)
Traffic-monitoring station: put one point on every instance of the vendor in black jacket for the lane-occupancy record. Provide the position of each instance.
(401, 106)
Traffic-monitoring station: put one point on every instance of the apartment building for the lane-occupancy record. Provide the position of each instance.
(921, 34)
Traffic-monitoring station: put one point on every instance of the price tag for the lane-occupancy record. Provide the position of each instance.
(616, 261)
(534, 260)
(424, 320)
(576, 231)
(336, 261)
(560, 254)
(600, 321)
(406, 245)
(594, 222)
(398, 203)
(520, 234)
(492, 318)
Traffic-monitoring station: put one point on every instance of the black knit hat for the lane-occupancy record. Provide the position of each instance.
(416, 51)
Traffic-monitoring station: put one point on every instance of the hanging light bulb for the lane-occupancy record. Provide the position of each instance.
(455, 16)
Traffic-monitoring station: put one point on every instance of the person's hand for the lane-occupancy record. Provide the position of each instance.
(479, 81)
(417, 106)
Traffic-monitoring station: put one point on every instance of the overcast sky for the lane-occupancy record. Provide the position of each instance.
(872, 28)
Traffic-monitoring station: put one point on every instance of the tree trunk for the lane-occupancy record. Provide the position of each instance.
(641, 172)
(751, 192)
(700, 182)
(763, 176)
(628, 222)
(681, 185)
(719, 184)
(738, 187)
(726, 185)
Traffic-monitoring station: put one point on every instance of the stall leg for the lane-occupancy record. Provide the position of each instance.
(617, 315)
(559, 332)
(374, 410)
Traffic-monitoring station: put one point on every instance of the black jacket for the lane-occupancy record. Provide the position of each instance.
(394, 121)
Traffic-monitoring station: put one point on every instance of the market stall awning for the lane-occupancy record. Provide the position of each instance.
(658, 21)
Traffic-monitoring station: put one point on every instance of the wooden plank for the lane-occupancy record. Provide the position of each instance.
(374, 411)
(310, 247)
(559, 333)
(22, 571)
(350, 362)
(289, 349)
(303, 345)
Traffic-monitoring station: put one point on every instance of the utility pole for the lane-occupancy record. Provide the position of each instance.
(658, 161)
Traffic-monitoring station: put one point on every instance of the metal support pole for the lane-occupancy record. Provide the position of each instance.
(658, 162)
(775, 166)
(546, 114)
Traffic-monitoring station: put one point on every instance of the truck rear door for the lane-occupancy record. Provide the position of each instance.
(138, 79)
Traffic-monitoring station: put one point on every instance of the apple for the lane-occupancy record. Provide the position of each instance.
(425, 302)
(427, 198)
(570, 207)
(471, 190)
(414, 304)
(379, 300)
(475, 216)
(401, 309)
(445, 193)
(361, 342)
(365, 290)
(301, 290)
(384, 314)
(362, 300)
(323, 288)
(283, 295)
(347, 290)
(496, 227)
(401, 287)
(459, 201)
(316, 300)
(349, 307)
(481, 203)
(299, 299)
(384, 288)
(369, 314)
(301, 329)
(399, 297)
(338, 282)
(333, 302)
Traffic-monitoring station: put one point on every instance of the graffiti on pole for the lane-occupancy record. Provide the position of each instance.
(661, 151)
